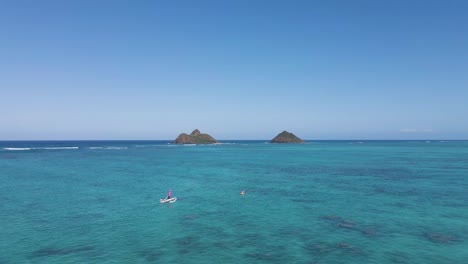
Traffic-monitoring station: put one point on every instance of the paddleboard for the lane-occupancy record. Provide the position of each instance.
(165, 200)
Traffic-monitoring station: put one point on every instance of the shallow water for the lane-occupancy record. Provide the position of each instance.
(320, 202)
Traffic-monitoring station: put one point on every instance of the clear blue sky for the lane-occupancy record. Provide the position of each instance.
(235, 69)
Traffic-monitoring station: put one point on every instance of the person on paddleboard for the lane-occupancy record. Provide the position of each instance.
(169, 193)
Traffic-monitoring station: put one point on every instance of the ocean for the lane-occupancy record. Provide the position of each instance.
(318, 202)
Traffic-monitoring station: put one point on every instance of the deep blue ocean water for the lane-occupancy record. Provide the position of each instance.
(319, 202)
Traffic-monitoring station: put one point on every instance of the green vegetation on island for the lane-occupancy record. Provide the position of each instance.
(286, 137)
(196, 137)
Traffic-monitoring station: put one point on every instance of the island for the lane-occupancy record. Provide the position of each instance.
(196, 137)
(286, 137)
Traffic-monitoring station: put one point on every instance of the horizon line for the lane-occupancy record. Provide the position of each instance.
(435, 139)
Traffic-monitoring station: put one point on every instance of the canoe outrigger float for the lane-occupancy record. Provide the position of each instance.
(165, 200)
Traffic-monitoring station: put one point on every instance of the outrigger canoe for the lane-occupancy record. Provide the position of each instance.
(165, 200)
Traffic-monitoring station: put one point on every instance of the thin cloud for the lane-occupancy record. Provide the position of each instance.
(415, 130)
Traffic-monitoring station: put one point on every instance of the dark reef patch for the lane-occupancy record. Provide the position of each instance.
(189, 245)
(274, 254)
(369, 232)
(441, 238)
(191, 217)
(322, 249)
(349, 248)
(51, 251)
(318, 248)
(341, 223)
(150, 254)
(398, 258)
(264, 256)
(384, 173)
(221, 245)
(346, 224)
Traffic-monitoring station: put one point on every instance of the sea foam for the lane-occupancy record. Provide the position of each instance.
(42, 148)
(58, 148)
(108, 147)
(17, 148)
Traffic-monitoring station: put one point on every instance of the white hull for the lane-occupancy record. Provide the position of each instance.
(168, 200)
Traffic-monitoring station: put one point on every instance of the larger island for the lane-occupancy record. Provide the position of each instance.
(196, 137)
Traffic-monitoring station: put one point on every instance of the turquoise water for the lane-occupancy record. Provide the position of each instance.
(320, 202)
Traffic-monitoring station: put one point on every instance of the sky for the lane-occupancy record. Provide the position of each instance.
(234, 69)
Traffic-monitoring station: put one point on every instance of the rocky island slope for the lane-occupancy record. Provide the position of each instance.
(286, 137)
(196, 137)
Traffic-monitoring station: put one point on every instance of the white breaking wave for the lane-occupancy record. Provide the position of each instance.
(17, 148)
(58, 148)
(148, 146)
(39, 148)
(108, 147)
(111, 147)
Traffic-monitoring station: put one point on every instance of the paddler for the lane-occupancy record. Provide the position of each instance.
(169, 193)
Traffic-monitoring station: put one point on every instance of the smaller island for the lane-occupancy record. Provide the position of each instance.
(286, 137)
(196, 137)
